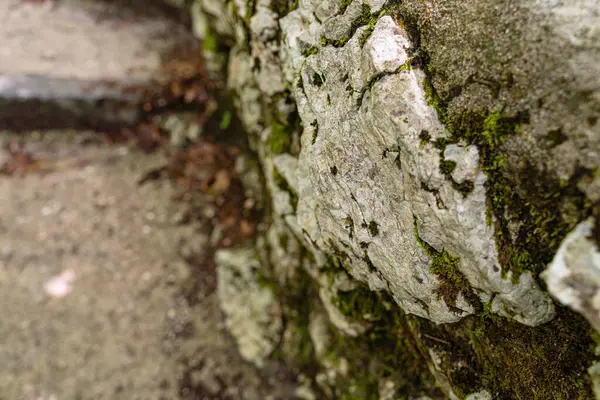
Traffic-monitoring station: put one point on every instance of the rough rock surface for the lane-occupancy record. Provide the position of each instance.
(434, 152)
(573, 277)
(252, 313)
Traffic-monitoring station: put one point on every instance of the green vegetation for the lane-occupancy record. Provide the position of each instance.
(317, 79)
(446, 268)
(364, 19)
(524, 193)
(226, 118)
(373, 228)
(309, 51)
(344, 5)
(210, 43)
(284, 7)
(404, 67)
(447, 167)
(349, 224)
(386, 350)
(280, 139)
(315, 125)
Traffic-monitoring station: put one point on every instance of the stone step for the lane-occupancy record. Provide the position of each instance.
(86, 64)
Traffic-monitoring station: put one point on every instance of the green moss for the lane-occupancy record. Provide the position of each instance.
(294, 294)
(210, 43)
(344, 5)
(280, 140)
(425, 137)
(300, 82)
(317, 79)
(386, 350)
(284, 241)
(309, 51)
(545, 362)
(446, 268)
(284, 7)
(373, 228)
(447, 167)
(283, 184)
(363, 19)
(349, 224)
(511, 360)
(250, 10)
(524, 194)
(328, 99)
(226, 118)
(404, 67)
(496, 129)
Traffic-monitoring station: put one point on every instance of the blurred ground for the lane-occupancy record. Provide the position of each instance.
(95, 291)
(107, 277)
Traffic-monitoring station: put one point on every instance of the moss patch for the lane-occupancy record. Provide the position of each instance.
(210, 44)
(280, 138)
(309, 51)
(317, 79)
(446, 268)
(284, 7)
(373, 228)
(385, 351)
(364, 18)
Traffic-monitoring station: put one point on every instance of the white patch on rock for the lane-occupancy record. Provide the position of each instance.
(264, 24)
(253, 315)
(319, 334)
(573, 276)
(375, 4)
(387, 46)
(481, 395)
(467, 162)
(594, 372)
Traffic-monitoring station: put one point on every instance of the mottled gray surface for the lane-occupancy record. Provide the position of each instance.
(362, 184)
(539, 56)
(573, 277)
(84, 40)
(253, 315)
(124, 330)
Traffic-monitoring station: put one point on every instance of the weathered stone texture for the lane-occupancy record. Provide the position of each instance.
(438, 152)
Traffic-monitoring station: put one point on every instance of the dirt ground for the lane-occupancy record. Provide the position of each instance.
(107, 286)
(95, 292)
